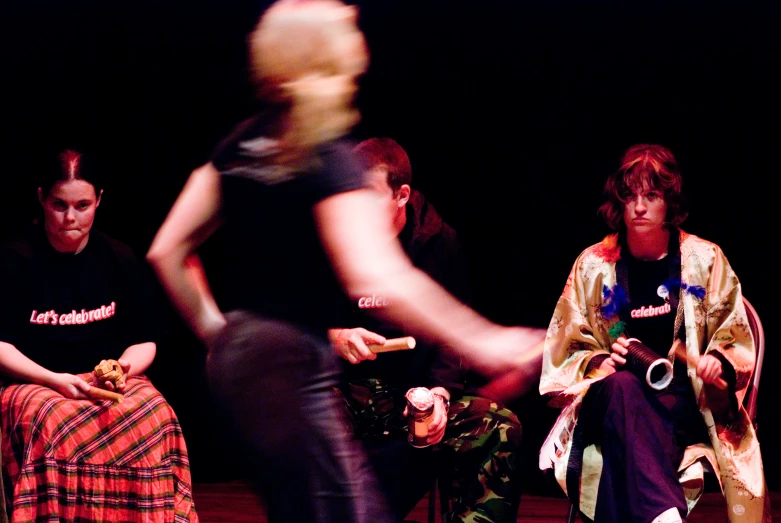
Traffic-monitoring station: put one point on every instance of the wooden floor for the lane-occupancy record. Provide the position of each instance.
(234, 503)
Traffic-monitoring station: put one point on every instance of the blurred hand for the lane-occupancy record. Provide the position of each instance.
(709, 369)
(514, 384)
(69, 386)
(501, 350)
(352, 344)
(512, 360)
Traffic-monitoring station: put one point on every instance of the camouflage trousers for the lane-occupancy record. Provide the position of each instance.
(480, 451)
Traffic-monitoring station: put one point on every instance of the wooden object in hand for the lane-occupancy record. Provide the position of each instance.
(394, 344)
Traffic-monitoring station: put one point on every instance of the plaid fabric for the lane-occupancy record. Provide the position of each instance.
(85, 461)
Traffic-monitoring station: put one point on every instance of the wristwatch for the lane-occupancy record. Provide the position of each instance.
(445, 401)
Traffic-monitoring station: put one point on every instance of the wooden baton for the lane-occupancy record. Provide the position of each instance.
(405, 343)
(104, 394)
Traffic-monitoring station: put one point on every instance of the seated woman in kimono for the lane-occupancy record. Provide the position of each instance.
(622, 450)
(71, 297)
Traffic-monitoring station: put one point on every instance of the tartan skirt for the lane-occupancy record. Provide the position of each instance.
(94, 460)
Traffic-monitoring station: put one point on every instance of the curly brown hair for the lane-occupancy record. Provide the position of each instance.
(644, 163)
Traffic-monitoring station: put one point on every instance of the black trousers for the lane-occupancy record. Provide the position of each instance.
(275, 383)
(642, 434)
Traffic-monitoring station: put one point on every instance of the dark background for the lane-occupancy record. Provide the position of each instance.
(513, 112)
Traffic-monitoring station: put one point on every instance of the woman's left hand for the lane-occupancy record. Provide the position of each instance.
(709, 369)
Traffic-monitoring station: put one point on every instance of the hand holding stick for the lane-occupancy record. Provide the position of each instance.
(107, 370)
(405, 343)
(681, 355)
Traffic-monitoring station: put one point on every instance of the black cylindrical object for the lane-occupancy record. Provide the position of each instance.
(647, 365)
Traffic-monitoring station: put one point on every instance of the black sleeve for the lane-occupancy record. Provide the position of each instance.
(595, 362)
(332, 168)
(729, 375)
(727, 370)
(143, 321)
(340, 170)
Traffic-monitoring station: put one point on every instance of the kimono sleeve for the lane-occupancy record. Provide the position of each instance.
(728, 330)
(573, 337)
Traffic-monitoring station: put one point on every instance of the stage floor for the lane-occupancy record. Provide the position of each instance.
(233, 502)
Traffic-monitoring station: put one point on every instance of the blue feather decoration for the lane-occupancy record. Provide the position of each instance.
(696, 290)
(674, 284)
(614, 300)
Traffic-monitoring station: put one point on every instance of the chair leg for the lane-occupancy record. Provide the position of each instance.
(432, 503)
(572, 513)
(444, 498)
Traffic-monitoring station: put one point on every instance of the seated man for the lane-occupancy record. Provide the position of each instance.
(478, 439)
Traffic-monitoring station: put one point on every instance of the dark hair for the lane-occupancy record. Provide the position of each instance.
(388, 154)
(644, 163)
(69, 165)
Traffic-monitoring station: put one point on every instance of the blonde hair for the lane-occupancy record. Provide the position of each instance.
(305, 57)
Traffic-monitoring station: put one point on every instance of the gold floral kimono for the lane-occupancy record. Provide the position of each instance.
(579, 330)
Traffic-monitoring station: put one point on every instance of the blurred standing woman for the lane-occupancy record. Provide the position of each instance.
(301, 225)
(624, 451)
(71, 297)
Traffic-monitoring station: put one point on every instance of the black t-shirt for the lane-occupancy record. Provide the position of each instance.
(650, 318)
(67, 312)
(272, 258)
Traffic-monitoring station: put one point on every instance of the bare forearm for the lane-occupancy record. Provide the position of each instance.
(425, 308)
(368, 259)
(140, 357)
(190, 299)
(193, 218)
(18, 366)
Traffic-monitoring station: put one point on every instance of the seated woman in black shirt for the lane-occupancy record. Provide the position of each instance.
(71, 297)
